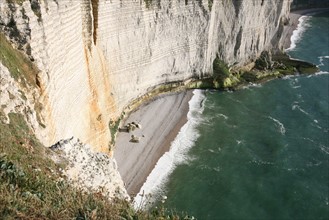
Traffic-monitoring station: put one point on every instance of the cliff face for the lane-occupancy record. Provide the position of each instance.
(96, 56)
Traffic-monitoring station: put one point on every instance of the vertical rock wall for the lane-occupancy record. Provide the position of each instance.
(175, 40)
(96, 56)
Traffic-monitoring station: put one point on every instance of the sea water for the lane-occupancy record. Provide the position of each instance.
(258, 153)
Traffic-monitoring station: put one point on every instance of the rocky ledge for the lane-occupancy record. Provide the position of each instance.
(89, 170)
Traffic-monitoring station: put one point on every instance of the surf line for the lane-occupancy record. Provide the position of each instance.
(153, 188)
(297, 34)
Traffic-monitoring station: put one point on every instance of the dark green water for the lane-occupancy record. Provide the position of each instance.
(262, 152)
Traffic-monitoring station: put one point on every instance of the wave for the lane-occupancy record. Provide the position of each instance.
(296, 87)
(252, 85)
(223, 116)
(315, 124)
(294, 83)
(321, 59)
(295, 106)
(153, 187)
(318, 73)
(324, 149)
(294, 169)
(297, 34)
(315, 163)
(203, 167)
(261, 162)
(281, 127)
(289, 77)
(209, 119)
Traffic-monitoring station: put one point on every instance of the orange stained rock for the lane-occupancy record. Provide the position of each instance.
(102, 107)
(46, 113)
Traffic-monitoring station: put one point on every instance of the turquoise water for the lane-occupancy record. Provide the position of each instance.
(262, 152)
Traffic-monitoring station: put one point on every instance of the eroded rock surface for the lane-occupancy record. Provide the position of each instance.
(91, 170)
(96, 57)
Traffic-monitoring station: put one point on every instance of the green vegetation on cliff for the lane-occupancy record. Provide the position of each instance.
(19, 66)
(32, 186)
(265, 68)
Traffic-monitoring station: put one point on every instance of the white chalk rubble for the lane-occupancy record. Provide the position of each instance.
(91, 170)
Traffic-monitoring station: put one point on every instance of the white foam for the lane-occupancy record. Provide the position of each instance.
(297, 34)
(261, 162)
(251, 85)
(279, 124)
(224, 116)
(294, 83)
(295, 106)
(296, 87)
(321, 59)
(316, 126)
(289, 77)
(177, 154)
(324, 149)
(318, 73)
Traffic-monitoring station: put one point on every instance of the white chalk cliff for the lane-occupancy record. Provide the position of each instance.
(97, 56)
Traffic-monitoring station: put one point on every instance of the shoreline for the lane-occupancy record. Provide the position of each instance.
(294, 21)
(161, 120)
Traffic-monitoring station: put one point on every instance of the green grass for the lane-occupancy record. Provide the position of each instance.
(19, 66)
(210, 2)
(148, 3)
(30, 186)
(114, 127)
